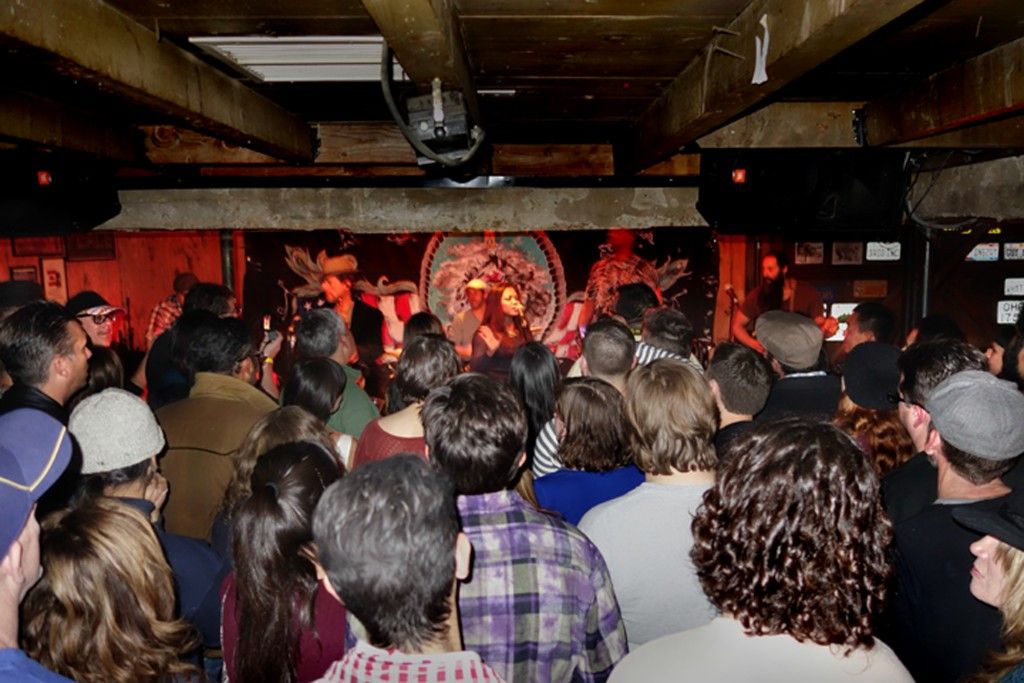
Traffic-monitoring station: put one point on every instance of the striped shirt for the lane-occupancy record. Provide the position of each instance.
(365, 663)
(540, 604)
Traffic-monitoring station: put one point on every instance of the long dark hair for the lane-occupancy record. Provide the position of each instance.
(272, 529)
(534, 375)
(496, 319)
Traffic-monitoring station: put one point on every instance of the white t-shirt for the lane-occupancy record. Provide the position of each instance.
(720, 652)
(645, 539)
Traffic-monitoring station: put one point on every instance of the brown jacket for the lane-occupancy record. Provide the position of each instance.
(203, 432)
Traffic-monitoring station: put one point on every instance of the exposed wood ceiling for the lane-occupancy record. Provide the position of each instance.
(646, 78)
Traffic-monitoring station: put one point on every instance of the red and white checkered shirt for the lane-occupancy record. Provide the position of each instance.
(365, 663)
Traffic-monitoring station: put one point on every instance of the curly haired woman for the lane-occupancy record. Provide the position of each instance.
(790, 546)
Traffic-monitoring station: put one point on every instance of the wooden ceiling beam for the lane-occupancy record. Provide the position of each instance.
(981, 89)
(789, 124)
(1005, 134)
(427, 41)
(90, 41)
(717, 86)
(40, 121)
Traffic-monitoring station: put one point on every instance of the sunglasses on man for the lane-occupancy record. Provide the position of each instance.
(98, 318)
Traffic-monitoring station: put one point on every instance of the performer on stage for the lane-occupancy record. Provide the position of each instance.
(779, 291)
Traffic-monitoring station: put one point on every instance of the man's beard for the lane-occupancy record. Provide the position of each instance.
(771, 293)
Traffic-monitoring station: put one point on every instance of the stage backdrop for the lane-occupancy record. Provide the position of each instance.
(407, 272)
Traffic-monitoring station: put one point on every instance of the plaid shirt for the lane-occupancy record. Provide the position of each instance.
(540, 606)
(365, 663)
(162, 318)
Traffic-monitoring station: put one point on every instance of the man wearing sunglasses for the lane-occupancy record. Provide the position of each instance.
(97, 316)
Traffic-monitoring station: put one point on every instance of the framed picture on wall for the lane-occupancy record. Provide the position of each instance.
(38, 246)
(92, 246)
(28, 273)
(55, 282)
(847, 253)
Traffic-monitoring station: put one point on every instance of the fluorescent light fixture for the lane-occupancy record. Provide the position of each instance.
(497, 92)
(300, 58)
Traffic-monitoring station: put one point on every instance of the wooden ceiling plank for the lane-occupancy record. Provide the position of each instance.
(552, 160)
(36, 120)
(716, 86)
(370, 142)
(986, 87)
(427, 42)
(118, 55)
(789, 124)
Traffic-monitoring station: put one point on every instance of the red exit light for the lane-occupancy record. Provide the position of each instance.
(43, 178)
(739, 175)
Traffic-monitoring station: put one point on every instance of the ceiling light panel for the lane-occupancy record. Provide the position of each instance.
(300, 58)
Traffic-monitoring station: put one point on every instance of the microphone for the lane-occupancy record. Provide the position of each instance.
(732, 294)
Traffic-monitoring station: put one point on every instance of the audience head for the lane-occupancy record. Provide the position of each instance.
(284, 425)
(16, 293)
(475, 431)
(609, 350)
(935, 326)
(976, 425)
(668, 329)
(423, 322)
(273, 547)
(315, 384)
(428, 361)
(796, 507)
(104, 609)
(739, 378)
(997, 349)
(97, 316)
(997, 578)
(183, 284)
(34, 451)
(867, 407)
(222, 346)
(922, 367)
(214, 298)
(870, 321)
(673, 418)
(791, 339)
(633, 302)
(535, 376)
(42, 346)
(119, 439)
(105, 372)
(388, 538)
(321, 333)
(595, 435)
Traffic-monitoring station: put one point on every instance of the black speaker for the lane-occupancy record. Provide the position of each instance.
(53, 193)
(802, 190)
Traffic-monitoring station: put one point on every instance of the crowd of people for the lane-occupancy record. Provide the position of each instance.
(232, 513)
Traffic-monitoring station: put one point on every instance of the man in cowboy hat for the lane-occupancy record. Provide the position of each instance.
(364, 321)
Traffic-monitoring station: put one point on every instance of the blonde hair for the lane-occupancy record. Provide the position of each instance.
(999, 663)
(674, 418)
(284, 425)
(104, 609)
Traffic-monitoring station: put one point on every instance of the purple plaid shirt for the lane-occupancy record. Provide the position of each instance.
(540, 604)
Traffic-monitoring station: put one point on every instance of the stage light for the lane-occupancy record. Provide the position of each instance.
(739, 175)
(43, 178)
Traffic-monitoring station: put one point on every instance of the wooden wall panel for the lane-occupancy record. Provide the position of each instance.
(732, 269)
(148, 263)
